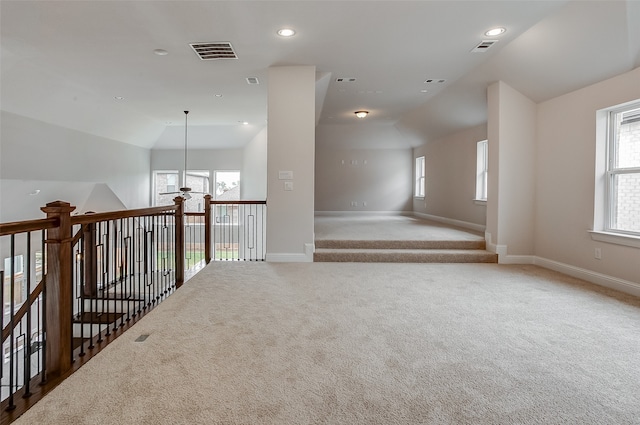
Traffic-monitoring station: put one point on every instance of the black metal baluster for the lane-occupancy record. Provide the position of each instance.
(27, 348)
(43, 334)
(11, 405)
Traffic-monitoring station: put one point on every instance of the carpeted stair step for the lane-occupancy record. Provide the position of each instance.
(399, 244)
(405, 255)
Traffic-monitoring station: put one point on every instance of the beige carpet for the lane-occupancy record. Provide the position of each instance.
(396, 239)
(346, 343)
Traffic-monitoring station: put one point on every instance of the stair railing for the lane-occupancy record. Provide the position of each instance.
(82, 282)
(238, 230)
(73, 283)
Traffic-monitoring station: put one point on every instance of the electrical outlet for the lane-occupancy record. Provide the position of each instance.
(598, 254)
(354, 203)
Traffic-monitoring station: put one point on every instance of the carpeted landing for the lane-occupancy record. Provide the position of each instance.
(396, 239)
(366, 344)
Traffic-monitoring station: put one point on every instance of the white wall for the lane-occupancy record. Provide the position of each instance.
(291, 147)
(31, 150)
(512, 158)
(566, 152)
(254, 169)
(379, 178)
(451, 177)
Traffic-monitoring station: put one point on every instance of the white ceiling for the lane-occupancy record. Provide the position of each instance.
(64, 62)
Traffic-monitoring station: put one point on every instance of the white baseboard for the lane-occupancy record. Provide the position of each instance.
(611, 282)
(306, 257)
(287, 258)
(515, 259)
(357, 213)
(451, 221)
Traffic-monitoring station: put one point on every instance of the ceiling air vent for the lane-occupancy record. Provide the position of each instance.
(214, 51)
(253, 80)
(484, 46)
(345, 80)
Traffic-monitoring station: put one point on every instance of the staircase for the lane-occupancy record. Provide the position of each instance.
(403, 251)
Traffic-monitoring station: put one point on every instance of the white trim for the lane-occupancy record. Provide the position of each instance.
(480, 201)
(611, 282)
(615, 238)
(306, 257)
(356, 213)
(451, 221)
(287, 258)
(515, 259)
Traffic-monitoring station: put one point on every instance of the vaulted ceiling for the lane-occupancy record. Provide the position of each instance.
(92, 65)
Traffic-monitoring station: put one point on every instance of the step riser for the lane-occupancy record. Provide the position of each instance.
(405, 258)
(384, 244)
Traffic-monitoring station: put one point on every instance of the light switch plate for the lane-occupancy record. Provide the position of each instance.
(285, 175)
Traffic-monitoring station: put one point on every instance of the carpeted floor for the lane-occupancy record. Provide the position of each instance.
(347, 343)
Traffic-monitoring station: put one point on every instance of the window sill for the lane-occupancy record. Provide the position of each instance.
(480, 201)
(615, 238)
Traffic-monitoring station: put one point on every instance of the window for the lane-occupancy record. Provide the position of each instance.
(165, 182)
(227, 189)
(198, 181)
(420, 177)
(227, 185)
(19, 281)
(481, 170)
(622, 175)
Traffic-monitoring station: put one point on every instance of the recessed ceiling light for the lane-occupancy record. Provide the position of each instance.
(423, 91)
(495, 31)
(119, 98)
(161, 52)
(286, 32)
(244, 122)
(361, 114)
(34, 192)
(218, 95)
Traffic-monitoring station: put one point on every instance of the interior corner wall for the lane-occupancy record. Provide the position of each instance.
(566, 146)
(254, 169)
(290, 163)
(360, 180)
(35, 150)
(450, 180)
(512, 165)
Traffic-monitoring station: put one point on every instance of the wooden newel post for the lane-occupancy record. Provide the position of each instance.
(59, 287)
(90, 286)
(207, 228)
(179, 223)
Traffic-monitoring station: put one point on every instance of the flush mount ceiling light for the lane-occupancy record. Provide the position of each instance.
(361, 114)
(161, 52)
(286, 32)
(495, 31)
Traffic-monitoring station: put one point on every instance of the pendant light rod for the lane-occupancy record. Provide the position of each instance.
(184, 182)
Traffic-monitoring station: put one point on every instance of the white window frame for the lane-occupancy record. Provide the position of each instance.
(607, 125)
(482, 170)
(420, 177)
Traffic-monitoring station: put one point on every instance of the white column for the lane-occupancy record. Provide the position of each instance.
(511, 130)
(290, 163)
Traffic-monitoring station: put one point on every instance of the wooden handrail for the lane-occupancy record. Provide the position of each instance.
(6, 332)
(15, 227)
(238, 202)
(112, 215)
